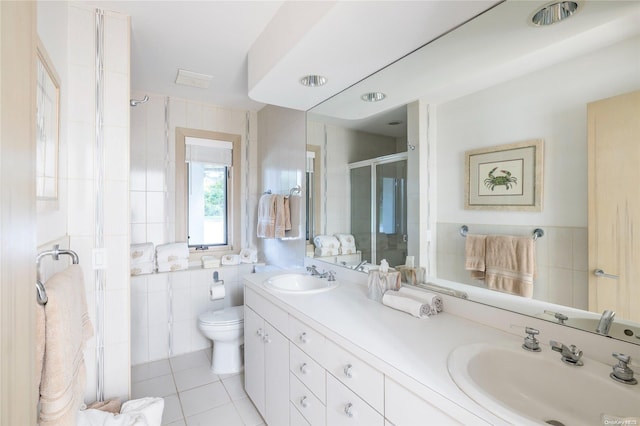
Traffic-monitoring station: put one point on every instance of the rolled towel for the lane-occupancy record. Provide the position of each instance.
(326, 251)
(406, 304)
(248, 255)
(326, 241)
(143, 268)
(230, 259)
(348, 250)
(174, 265)
(141, 253)
(346, 240)
(424, 296)
(172, 251)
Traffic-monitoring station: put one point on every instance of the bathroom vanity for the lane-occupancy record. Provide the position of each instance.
(337, 357)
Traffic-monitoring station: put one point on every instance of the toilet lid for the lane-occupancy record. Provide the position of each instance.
(229, 315)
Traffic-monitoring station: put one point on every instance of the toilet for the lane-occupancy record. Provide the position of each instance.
(225, 327)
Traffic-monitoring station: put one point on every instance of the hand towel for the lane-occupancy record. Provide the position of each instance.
(266, 216)
(142, 253)
(295, 230)
(287, 213)
(406, 304)
(475, 255)
(434, 300)
(172, 251)
(280, 219)
(142, 268)
(67, 329)
(510, 264)
(173, 265)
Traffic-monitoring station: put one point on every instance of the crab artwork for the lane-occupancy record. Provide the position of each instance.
(507, 180)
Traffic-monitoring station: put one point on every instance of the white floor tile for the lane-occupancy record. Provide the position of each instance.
(235, 386)
(172, 410)
(203, 398)
(159, 386)
(225, 415)
(194, 377)
(248, 412)
(190, 360)
(150, 370)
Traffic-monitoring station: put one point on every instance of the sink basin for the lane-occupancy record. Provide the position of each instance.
(299, 284)
(527, 388)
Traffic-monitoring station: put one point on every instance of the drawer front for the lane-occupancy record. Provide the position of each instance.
(307, 339)
(295, 418)
(267, 310)
(311, 408)
(345, 408)
(359, 376)
(307, 371)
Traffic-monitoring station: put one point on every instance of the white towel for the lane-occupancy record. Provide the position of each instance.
(230, 259)
(326, 251)
(248, 255)
(346, 240)
(432, 299)
(137, 412)
(174, 265)
(171, 251)
(406, 304)
(142, 253)
(142, 268)
(348, 250)
(326, 241)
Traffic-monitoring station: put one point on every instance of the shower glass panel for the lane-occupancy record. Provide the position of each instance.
(391, 217)
(361, 209)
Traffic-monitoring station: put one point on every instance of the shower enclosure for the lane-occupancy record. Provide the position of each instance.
(379, 208)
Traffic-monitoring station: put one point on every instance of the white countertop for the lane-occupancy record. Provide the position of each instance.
(410, 350)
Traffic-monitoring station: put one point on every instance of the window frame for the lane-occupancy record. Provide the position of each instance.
(233, 202)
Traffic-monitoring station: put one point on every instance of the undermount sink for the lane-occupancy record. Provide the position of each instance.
(299, 284)
(527, 388)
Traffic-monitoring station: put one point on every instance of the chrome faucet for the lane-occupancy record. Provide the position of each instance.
(313, 271)
(605, 322)
(330, 275)
(570, 355)
(360, 266)
(621, 372)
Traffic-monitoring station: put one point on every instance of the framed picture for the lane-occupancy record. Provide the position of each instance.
(506, 177)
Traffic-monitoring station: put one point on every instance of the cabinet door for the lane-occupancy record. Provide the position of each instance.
(276, 354)
(254, 358)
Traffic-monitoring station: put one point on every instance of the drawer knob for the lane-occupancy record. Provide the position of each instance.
(348, 410)
(304, 402)
(304, 368)
(348, 370)
(303, 337)
(260, 332)
(266, 339)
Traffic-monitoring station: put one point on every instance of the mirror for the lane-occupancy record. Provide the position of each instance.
(47, 124)
(476, 88)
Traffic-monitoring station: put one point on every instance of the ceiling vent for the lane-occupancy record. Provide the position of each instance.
(193, 79)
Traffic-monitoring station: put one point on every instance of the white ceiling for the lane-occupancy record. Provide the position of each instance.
(346, 41)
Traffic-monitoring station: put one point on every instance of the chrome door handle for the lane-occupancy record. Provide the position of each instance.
(348, 410)
(602, 274)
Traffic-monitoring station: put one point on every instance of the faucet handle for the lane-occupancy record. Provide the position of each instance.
(331, 275)
(530, 342)
(621, 372)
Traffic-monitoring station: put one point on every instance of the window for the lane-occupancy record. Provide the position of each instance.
(207, 189)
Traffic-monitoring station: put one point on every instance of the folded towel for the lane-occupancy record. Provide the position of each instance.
(266, 216)
(510, 264)
(141, 253)
(406, 304)
(67, 329)
(475, 255)
(326, 241)
(326, 251)
(137, 412)
(248, 255)
(230, 259)
(174, 265)
(432, 299)
(143, 268)
(346, 240)
(379, 282)
(172, 251)
(348, 249)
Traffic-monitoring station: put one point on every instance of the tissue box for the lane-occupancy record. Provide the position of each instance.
(379, 282)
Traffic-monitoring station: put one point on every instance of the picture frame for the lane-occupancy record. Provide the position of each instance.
(505, 177)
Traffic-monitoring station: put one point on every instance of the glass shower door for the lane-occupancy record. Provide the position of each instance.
(361, 202)
(391, 212)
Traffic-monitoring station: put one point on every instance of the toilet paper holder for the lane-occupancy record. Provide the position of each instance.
(216, 280)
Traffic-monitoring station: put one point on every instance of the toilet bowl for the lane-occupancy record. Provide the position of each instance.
(225, 327)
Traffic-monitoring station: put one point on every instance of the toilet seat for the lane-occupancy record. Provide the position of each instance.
(227, 316)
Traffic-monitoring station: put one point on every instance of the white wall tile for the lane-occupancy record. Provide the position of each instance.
(116, 99)
(138, 233)
(181, 304)
(81, 49)
(182, 331)
(117, 311)
(116, 207)
(116, 153)
(158, 342)
(118, 262)
(80, 150)
(81, 207)
(82, 91)
(155, 207)
(138, 201)
(139, 344)
(116, 363)
(156, 174)
(117, 43)
(194, 115)
(158, 308)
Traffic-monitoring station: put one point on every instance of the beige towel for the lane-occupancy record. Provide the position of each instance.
(475, 255)
(267, 216)
(67, 329)
(510, 264)
(287, 214)
(280, 217)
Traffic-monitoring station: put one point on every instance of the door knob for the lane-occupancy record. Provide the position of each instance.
(602, 274)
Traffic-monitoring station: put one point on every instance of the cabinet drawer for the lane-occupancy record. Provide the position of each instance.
(307, 339)
(295, 418)
(312, 409)
(345, 408)
(267, 310)
(307, 371)
(359, 376)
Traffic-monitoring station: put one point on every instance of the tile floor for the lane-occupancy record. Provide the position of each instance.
(193, 395)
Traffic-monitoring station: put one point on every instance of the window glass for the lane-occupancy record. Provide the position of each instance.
(207, 204)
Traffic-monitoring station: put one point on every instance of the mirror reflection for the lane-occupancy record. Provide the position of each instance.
(497, 80)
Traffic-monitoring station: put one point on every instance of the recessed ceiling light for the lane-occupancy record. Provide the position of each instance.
(193, 79)
(313, 80)
(554, 12)
(373, 97)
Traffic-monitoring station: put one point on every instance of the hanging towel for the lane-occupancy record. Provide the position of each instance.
(407, 304)
(287, 213)
(510, 264)
(475, 255)
(172, 251)
(295, 230)
(267, 216)
(67, 329)
(280, 221)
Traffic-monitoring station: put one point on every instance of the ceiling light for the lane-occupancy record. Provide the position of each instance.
(373, 97)
(193, 79)
(313, 80)
(554, 12)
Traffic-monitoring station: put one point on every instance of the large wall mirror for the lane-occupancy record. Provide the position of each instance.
(47, 127)
(498, 79)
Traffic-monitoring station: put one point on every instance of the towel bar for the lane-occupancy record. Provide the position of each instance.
(41, 292)
(537, 233)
